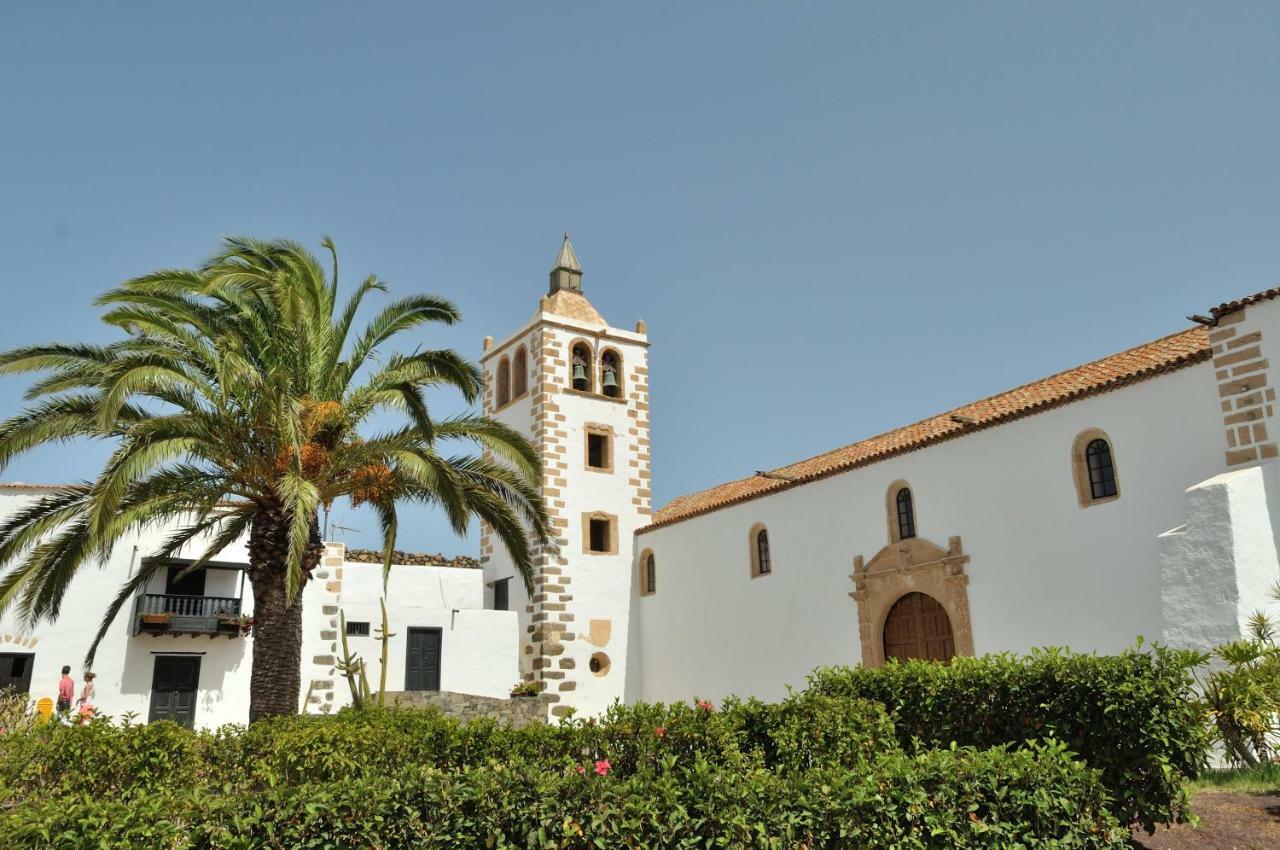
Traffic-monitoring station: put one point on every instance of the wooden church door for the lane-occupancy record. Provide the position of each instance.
(918, 627)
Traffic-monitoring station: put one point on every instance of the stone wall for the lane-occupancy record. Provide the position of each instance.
(518, 711)
(413, 559)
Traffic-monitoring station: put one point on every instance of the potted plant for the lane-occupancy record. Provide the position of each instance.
(234, 623)
(526, 689)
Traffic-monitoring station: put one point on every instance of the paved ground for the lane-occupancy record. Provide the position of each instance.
(1228, 821)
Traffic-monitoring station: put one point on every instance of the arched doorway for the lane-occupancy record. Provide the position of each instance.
(918, 627)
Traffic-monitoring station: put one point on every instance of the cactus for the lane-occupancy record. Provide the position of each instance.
(385, 636)
(351, 666)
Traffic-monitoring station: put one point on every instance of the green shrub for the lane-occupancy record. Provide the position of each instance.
(105, 759)
(1038, 797)
(809, 730)
(1132, 716)
(100, 759)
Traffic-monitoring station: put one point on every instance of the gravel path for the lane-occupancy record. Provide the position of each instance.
(1227, 822)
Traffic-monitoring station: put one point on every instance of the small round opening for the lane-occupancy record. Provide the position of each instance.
(599, 664)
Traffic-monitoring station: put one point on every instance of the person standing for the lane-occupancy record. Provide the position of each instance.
(86, 699)
(66, 690)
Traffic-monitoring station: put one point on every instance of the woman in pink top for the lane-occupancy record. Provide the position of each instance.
(86, 699)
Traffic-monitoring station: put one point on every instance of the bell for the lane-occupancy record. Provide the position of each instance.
(610, 382)
(579, 372)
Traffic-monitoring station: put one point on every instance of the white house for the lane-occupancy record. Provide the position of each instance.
(1136, 495)
(179, 650)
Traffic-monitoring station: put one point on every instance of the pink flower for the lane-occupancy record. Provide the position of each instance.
(602, 768)
(706, 705)
(661, 731)
(581, 770)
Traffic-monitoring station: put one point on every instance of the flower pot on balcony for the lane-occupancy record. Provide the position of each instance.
(157, 619)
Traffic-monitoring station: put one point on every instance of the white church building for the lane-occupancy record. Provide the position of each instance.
(1135, 495)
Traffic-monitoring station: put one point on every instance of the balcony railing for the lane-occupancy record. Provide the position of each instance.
(167, 613)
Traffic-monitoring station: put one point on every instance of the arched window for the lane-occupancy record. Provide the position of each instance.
(580, 366)
(1093, 464)
(648, 573)
(761, 558)
(520, 376)
(1102, 471)
(504, 381)
(906, 512)
(611, 374)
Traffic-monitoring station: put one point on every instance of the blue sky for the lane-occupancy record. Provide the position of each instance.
(836, 218)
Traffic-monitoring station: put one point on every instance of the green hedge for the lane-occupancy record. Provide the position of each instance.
(824, 763)
(1037, 797)
(104, 759)
(1132, 716)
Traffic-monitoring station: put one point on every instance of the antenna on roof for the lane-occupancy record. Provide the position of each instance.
(340, 528)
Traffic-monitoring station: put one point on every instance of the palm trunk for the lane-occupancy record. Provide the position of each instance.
(275, 681)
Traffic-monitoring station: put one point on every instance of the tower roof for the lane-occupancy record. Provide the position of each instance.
(567, 259)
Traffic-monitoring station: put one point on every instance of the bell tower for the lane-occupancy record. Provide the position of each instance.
(578, 388)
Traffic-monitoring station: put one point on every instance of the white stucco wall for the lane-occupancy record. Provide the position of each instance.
(1043, 570)
(1219, 567)
(478, 648)
(125, 663)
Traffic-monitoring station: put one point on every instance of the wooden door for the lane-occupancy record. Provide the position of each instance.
(422, 660)
(15, 671)
(173, 689)
(918, 627)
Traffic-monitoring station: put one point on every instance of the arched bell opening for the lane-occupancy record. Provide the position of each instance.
(580, 366)
(611, 373)
(504, 381)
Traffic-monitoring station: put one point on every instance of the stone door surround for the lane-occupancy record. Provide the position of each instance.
(907, 566)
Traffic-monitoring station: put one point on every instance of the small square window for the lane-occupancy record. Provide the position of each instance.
(598, 451)
(599, 530)
(357, 629)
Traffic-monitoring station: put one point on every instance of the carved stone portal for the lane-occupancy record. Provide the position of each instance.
(908, 566)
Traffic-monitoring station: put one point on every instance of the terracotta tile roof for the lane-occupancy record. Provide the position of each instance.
(1240, 303)
(1145, 361)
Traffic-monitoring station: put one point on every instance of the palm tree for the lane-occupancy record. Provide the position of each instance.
(238, 402)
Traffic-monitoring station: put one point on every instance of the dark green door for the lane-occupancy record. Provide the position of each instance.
(15, 671)
(173, 689)
(422, 660)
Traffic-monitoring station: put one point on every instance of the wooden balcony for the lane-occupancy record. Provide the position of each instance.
(170, 614)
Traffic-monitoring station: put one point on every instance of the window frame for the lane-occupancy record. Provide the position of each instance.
(359, 628)
(905, 513)
(1082, 473)
(648, 573)
(604, 432)
(611, 541)
(760, 567)
(891, 513)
